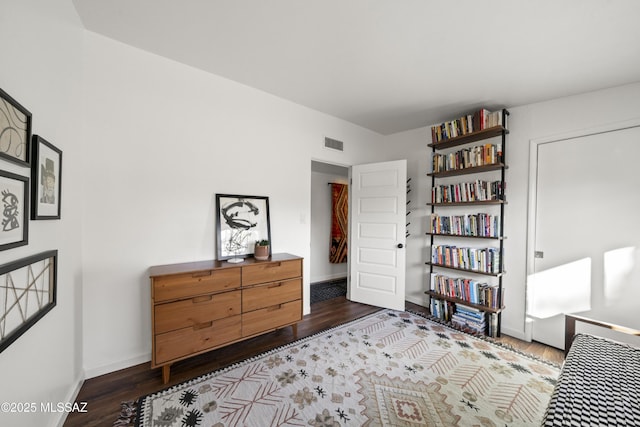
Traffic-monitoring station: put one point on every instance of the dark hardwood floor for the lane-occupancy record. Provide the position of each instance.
(104, 394)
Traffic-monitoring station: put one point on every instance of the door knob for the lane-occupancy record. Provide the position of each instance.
(400, 246)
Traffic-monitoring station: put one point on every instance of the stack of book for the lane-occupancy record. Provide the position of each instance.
(469, 123)
(469, 319)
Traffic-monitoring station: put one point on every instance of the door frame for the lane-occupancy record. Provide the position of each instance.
(534, 145)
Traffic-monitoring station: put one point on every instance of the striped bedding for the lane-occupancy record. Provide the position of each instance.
(599, 385)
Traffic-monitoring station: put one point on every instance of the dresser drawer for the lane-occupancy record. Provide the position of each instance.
(262, 320)
(195, 311)
(271, 294)
(186, 285)
(187, 341)
(263, 272)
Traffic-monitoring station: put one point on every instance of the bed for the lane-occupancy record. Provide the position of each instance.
(599, 384)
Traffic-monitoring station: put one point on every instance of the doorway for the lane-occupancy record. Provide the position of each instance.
(376, 260)
(331, 277)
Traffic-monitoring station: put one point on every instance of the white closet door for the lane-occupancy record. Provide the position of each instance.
(587, 232)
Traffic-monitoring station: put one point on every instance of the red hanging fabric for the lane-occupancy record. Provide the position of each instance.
(339, 223)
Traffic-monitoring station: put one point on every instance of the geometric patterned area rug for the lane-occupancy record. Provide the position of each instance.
(389, 368)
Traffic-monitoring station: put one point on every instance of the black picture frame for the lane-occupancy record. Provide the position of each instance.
(15, 131)
(240, 222)
(14, 218)
(46, 180)
(35, 298)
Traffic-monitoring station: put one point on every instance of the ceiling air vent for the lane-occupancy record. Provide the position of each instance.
(334, 144)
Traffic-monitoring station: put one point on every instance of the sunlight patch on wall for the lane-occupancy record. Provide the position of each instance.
(562, 289)
(618, 266)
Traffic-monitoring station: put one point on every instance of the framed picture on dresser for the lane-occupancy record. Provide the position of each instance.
(241, 222)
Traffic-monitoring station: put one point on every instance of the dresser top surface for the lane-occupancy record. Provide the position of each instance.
(188, 267)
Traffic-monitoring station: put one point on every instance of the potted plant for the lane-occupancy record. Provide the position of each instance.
(261, 251)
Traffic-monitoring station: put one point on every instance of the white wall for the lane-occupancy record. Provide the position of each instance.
(163, 139)
(319, 266)
(412, 145)
(42, 69)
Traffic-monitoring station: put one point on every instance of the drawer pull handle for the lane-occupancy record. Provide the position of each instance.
(205, 298)
(275, 307)
(202, 274)
(202, 325)
(274, 265)
(274, 285)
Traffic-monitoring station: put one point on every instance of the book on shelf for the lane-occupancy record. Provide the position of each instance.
(492, 327)
(482, 260)
(464, 316)
(472, 191)
(472, 225)
(465, 324)
(480, 155)
(442, 310)
(469, 290)
(466, 124)
(470, 312)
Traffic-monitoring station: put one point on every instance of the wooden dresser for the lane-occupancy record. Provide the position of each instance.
(200, 306)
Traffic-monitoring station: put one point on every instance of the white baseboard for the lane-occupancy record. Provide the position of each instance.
(71, 397)
(521, 335)
(107, 369)
(416, 300)
(528, 329)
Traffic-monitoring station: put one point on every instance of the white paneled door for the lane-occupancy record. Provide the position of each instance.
(377, 229)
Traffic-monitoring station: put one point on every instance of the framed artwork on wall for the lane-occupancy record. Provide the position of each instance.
(46, 179)
(241, 221)
(27, 293)
(14, 221)
(15, 130)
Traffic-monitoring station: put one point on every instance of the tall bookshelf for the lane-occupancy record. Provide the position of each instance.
(466, 225)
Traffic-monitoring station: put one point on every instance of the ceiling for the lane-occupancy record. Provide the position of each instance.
(389, 65)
